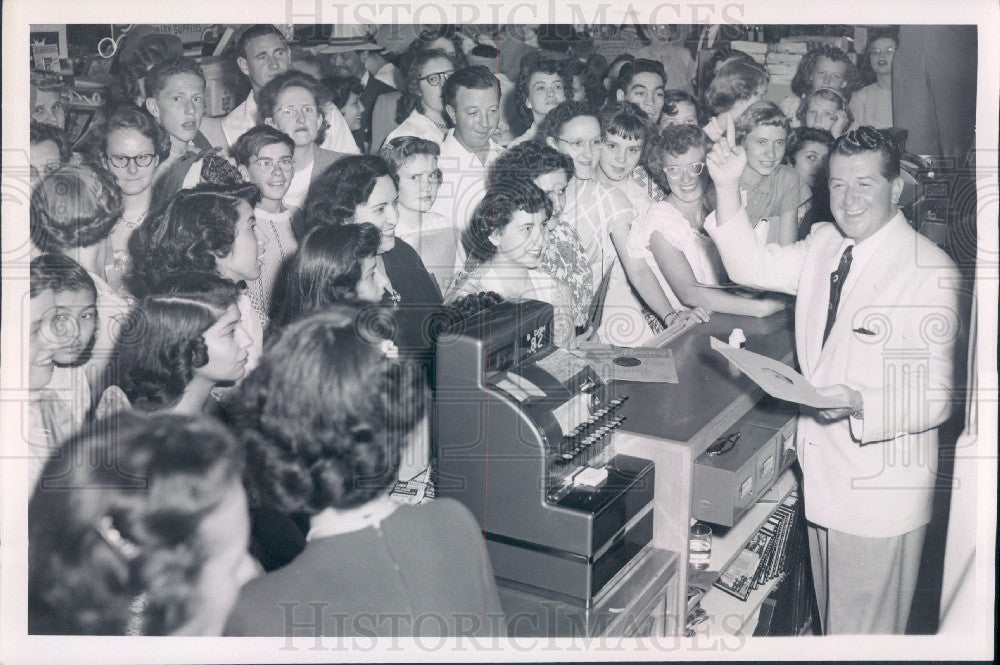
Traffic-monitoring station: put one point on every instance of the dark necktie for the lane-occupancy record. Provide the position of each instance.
(837, 278)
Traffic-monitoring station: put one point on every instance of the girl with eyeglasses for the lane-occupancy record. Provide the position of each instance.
(132, 144)
(290, 102)
(671, 237)
(433, 235)
(420, 110)
(872, 104)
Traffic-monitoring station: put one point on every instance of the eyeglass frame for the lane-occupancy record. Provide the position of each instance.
(131, 159)
(270, 169)
(442, 77)
(578, 143)
(293, 111)
(883, 51)
(700, 165)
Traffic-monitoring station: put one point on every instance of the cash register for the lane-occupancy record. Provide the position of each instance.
(523, 438)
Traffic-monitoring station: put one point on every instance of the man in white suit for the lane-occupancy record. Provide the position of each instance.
(875, 326)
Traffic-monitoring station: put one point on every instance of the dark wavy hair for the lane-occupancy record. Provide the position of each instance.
(638, 66)
(129, 116)
(626, 120)
(866, 74)
(676, 140)
(410, 99)
(591, 75)
(757, 114)
(196, 227)
(337, 192)
(802, 81)
(402, 148)
(102, 534)
(161, 341)
(338, 89)
(671, 98)
(250, 143)
(736, 80)
(324, 271)
(325, 412)
(60, 273)
(554, 121)
(529, 160)
(801, 135)
(521, 89)
(868, 139)
(406, 60)
(495, 211)
(76, 206)
(39, 132)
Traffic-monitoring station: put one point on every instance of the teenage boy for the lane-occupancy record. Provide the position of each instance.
(264, 156)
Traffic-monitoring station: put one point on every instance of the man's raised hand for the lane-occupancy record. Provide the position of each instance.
(727, 160)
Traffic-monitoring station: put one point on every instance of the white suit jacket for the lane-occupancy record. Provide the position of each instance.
(892, 341)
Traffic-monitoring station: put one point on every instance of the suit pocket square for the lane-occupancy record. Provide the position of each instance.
(864, 331)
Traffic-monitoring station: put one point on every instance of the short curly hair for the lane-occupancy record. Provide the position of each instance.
(129, 116)
(674, 140)
(258, 137)
(802, 81)
(293, 78)
(74, 207)
(736, 80)
(324, 270)
(521, 89)
(102, 534)
(757, 114)
(495, 211)
(671, 98)
(197, 227)
(557, 118)
(325, 412)
(337, 192)
(529, 160)
(161, 341)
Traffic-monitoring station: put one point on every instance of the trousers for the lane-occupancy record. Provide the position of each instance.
(864, 586)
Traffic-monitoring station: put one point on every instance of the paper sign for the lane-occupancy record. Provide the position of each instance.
(776, 378)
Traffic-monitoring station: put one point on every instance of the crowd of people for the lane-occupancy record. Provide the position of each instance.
(233, 309)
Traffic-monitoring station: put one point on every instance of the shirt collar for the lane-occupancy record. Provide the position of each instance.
(365, 78)
(865, 249)
(333, 522)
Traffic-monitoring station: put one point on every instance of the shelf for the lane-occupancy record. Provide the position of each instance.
(721, 607)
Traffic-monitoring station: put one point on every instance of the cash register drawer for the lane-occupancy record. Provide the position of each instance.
(728, 483)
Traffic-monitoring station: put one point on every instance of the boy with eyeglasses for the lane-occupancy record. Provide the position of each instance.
(264, 157)
(291, 103)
